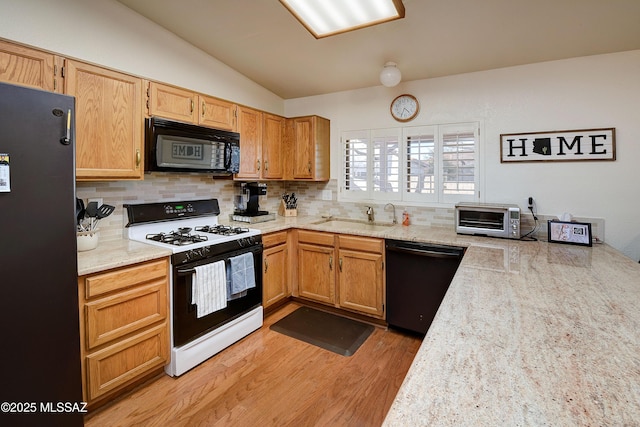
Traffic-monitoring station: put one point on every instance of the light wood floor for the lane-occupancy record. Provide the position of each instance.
(269, 379)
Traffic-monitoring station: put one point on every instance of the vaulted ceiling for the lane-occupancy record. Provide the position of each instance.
(263, 41)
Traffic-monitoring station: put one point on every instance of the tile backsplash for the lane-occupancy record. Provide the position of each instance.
(160, 186)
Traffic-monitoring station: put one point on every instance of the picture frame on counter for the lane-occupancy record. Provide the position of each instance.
(559, 146)
(573, 233)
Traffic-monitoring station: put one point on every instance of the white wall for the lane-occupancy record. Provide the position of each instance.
(108, 33)
(581, 93)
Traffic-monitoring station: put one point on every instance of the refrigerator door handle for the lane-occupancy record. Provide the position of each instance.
(66, 140)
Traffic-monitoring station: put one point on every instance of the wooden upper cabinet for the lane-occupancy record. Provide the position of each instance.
(109, 122)
(190, 107)
(28, 67)
(217, 113)
(273, 146)
(250, 129)
(172, 103)
(309, 146)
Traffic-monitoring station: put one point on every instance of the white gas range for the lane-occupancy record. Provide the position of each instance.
(201, 247)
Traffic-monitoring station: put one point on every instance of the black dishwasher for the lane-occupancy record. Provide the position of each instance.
(418, 276)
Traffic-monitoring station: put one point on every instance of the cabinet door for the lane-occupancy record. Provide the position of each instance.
(310, 152)
(127, 360)
(26, 67)
(275, 286)
(217, 113)
(273, 146)
(117, 315)
(316, 276)
(250, 128)
(109, 124)
(172, 103)
(302, 148)
(361, 281)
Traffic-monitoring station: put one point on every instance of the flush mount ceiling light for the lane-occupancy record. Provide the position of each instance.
(390, 75)
(325, 18)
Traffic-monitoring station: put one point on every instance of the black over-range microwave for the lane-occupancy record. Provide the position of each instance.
(172, 146)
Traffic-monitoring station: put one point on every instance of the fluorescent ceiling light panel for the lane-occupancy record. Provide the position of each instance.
(328, 17)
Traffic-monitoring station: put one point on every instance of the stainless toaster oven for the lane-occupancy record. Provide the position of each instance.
(488, 219)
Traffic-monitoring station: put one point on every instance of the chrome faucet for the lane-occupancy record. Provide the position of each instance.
(395, 220)
(369, 213)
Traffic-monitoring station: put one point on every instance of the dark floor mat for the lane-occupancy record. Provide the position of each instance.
(329, 331)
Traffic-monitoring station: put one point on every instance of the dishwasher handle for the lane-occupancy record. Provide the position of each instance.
(427, 250)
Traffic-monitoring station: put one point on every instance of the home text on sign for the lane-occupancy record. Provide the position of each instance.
(570, 145)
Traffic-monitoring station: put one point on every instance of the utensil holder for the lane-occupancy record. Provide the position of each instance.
(283, 211)
(87, 240)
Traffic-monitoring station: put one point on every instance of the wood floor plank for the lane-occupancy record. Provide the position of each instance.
(269, 379)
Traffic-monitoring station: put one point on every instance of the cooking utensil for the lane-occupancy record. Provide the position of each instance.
(91, 212)
(104, 211)
(80, 212)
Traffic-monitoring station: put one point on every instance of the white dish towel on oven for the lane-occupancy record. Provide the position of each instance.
(243, 275)
(209, 288)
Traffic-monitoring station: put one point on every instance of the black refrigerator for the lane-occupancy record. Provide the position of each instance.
(40, 382)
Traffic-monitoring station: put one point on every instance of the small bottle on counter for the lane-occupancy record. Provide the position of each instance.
(405, 217)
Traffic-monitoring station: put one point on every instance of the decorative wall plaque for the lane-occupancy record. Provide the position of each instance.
(559, 146)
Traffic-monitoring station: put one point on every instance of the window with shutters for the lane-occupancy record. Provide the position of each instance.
(424, 164)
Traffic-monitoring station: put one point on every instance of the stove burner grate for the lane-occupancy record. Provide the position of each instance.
(181, 237)
(223, 230)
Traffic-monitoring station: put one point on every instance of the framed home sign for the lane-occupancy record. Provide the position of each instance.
(559, 146)
(575, 233)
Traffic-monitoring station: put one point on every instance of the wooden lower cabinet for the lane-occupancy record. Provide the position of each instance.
(275, 274)
(360, 274)
(343, 271)
(124, 328)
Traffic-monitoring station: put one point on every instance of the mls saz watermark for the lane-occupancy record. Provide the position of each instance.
(559, 146)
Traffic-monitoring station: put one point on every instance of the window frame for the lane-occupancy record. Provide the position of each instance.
(439, 196)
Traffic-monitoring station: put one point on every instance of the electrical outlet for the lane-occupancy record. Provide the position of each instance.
(97, 199)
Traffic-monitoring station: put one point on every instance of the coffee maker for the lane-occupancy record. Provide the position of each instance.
(247, 202)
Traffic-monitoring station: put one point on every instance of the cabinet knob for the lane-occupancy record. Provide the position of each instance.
(266, 265)
(340, 264)
(138, 158)
(331, 263)
(258, 164)
(266, 165)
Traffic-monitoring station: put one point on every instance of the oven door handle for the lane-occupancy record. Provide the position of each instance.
(186, 272)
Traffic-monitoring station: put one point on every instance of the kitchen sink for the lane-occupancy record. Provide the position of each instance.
(345, 224)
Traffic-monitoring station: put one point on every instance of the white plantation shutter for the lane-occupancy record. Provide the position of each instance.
(459, 159)
(355, 165)
(421, 164)
(386, 164)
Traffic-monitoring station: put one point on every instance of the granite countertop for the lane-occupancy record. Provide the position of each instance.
(117, 253)
(529, 333)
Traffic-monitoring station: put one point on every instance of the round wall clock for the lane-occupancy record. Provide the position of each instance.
(404, 108)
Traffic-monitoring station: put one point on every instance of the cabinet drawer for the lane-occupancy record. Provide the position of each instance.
(122, 278)
(122, 363)
(315, 237)
(123, 313)
(273, 239)
(366, 244)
